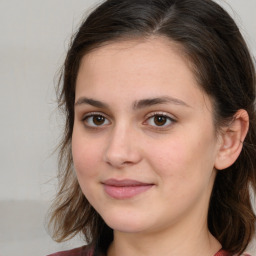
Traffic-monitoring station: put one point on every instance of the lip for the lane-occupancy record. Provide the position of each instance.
(125, 189)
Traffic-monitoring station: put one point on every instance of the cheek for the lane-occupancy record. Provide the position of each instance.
(86, 156)
(86, 159)
(169, 157)
(183, 160)
(185, 174)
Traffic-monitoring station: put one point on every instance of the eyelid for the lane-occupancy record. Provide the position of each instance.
(171, 118)
(161, 113)
(91, 114)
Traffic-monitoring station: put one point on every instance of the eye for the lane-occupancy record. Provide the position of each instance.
(160, 120)
(95, 120)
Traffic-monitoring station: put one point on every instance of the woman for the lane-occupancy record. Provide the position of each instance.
(158, 155)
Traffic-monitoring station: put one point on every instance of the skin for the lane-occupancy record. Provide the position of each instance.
(176, 157)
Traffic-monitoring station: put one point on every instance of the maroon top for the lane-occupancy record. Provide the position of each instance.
(81, 251)
(88, 251)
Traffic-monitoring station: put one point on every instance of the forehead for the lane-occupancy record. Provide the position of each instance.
(142, 67)
(142, 53)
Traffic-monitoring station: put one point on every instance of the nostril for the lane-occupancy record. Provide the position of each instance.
(121, 158)
(121, 149)
(117, 161)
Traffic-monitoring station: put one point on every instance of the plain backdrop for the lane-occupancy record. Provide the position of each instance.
(34, 37)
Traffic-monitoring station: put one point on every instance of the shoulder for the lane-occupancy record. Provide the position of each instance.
(225, 253)
(81, 251)
(243, 254)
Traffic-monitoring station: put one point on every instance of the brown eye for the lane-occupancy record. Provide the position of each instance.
(95, 120)
(160, 120)
(98, 120)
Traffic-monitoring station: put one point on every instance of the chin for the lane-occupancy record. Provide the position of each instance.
(125, 224)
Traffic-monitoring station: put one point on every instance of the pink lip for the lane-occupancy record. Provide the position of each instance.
(124, 189)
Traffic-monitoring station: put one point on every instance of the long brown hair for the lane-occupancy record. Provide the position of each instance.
(224, 69)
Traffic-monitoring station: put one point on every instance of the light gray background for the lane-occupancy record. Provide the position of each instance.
(34, 36)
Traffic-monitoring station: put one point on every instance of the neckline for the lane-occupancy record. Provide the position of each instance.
(222, 252)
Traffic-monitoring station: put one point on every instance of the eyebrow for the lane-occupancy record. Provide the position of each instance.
(136, 105)
(159, 100)
(92, 102)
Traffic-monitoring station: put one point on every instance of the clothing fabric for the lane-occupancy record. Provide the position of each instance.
(81, 251)
(88, 251)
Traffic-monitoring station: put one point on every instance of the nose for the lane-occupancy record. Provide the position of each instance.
(122, 149)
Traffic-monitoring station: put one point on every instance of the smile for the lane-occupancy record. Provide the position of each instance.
(125, 189)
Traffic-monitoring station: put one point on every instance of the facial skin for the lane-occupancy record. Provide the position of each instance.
(169, 144)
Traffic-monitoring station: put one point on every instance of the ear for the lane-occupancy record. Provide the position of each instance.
(231, 140)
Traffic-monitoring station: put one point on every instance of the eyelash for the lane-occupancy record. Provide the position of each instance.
(167, 117)
(92, 115)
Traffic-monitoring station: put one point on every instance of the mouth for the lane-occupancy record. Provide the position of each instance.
(125, 189)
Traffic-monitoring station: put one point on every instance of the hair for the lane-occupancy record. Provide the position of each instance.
(224, 69)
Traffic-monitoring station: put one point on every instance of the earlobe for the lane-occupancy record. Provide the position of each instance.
(232, 140)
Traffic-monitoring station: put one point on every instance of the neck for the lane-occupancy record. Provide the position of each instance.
(174, 243)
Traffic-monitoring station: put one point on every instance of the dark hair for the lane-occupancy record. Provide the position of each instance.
(224, 69)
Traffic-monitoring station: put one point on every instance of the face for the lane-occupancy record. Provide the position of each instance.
(144, 144)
